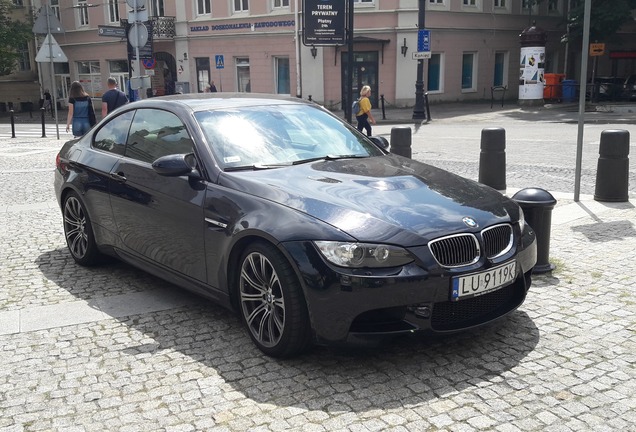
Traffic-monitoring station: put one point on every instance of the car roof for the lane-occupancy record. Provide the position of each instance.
(207, 101)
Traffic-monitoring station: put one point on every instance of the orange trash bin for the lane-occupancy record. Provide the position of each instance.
(552, 85)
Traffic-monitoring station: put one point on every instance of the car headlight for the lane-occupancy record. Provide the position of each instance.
(522, 220)
(357, 255)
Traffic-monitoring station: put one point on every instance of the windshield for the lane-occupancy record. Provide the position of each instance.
(278, 135)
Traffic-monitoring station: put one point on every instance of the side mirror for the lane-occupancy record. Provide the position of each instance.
(380, 141)
(174, 165)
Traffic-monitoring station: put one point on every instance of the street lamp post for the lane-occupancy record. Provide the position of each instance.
(418, 110)
(349, 83)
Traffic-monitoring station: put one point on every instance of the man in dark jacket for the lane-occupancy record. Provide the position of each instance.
(113, 98)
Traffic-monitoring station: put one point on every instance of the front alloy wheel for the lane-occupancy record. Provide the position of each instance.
(271, 302)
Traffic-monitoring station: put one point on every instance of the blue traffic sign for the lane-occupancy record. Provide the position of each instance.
(423, 40)
(218, 59)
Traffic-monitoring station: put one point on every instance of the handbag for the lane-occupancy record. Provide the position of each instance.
(91, 113)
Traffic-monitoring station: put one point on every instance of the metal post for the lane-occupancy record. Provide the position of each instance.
(418, 109)
(579, 139)
(51, 67)
(349, 84)
(43, 113)
(382, 103)
(12, 125)
(428, 108)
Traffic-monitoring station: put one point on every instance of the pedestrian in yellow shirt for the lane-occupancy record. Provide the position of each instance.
(364, 115)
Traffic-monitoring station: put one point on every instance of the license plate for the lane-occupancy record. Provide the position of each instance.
(483, 282)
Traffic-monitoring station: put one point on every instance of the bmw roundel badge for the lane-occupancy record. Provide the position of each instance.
(470, 222)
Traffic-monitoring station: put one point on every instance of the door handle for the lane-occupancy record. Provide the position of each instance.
(118, 176)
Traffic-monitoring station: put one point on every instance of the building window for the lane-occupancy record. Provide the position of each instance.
(241, 5)
(282, 75)
(203, 73)
(243, 83)
(158, 8)
(435, 68)
(469, 2)
(82, 11)
(90, 76)
(55, 5)
(500, 69)
(468, 71)
(203, 7)
(113, 11)
(553, 5)
(119, 70)
(529, 4)
(439, 4)
(281, 4)
(500, 3)
(18, 3)
(24, 62)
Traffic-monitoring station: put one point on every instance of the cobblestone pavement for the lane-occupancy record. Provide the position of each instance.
(565, 361)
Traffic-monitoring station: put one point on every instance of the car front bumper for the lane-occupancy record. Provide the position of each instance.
(349, 306)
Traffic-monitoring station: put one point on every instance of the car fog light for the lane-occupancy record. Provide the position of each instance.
(422, 311)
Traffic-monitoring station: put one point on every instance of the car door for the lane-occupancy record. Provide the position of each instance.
(107, 148)
(159, 218)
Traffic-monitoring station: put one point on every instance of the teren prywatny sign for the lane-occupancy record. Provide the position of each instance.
(324, 22)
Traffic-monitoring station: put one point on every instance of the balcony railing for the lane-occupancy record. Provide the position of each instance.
(163, 28)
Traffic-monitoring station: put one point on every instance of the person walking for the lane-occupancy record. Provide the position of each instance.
(212, 87)
(363, 116)
(48, 104)
(81, 114)
(113, 98)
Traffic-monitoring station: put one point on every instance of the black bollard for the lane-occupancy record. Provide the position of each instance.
(401, 141)
(492, 159)
(43, 110)
(428, 108)
(382, 105)
(12, 125)
(537, 205)
(612, 172)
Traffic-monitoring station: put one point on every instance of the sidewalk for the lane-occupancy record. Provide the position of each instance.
(618, 112)
(621, 113)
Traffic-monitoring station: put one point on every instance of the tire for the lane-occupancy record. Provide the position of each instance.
(78, 232)
(271, 302)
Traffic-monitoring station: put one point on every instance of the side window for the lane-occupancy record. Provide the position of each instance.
(155, 133)
(112, 136)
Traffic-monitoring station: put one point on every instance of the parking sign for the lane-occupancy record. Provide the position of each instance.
(423, 40)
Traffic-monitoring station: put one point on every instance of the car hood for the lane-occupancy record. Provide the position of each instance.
(381, 199)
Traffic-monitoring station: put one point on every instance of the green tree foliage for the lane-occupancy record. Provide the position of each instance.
(13, 35)
(606, 18)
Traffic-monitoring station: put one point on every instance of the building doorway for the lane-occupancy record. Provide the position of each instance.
(365, 72)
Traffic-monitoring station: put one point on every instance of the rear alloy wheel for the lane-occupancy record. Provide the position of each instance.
(271, 302)
(79, 232)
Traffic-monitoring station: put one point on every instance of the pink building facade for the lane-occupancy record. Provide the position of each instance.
(256, 45)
